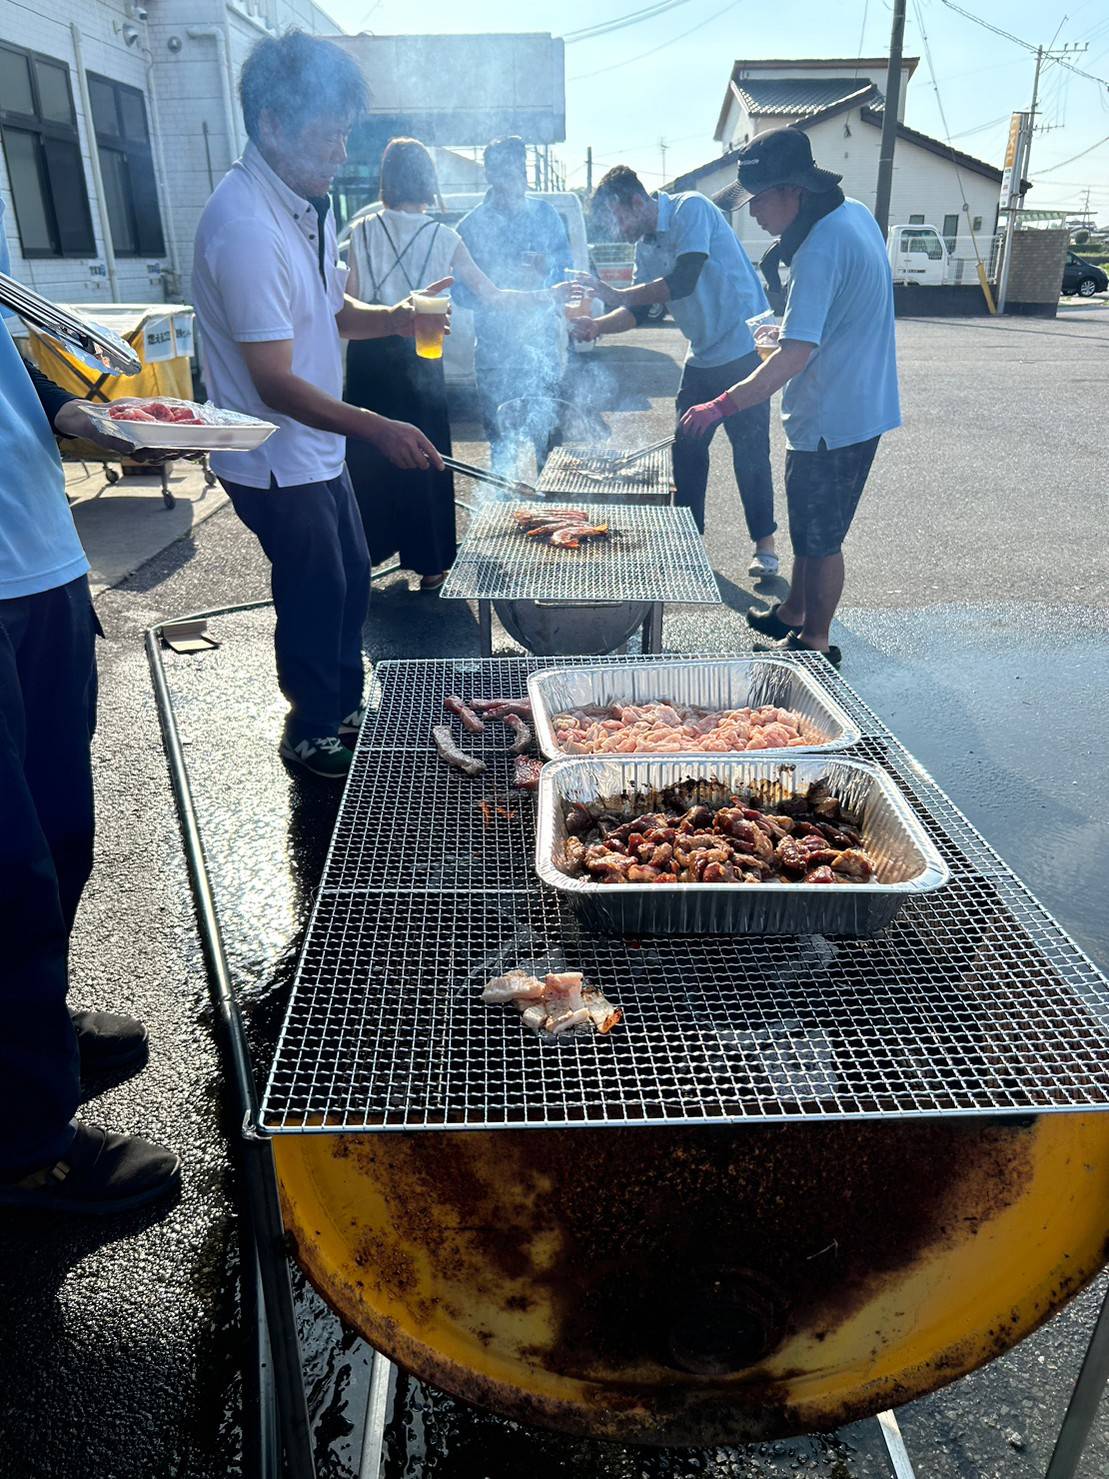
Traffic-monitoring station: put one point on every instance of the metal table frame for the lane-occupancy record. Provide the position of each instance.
(277, 1428)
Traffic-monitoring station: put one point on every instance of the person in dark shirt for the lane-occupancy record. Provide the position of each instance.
(518, 242)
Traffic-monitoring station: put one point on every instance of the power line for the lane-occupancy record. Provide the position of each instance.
(643, 55)
(618, 23)
(1073, 157)
(979, 128)
(947, 134)
(1018, 41)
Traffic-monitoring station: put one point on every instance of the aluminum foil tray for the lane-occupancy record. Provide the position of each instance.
(734, 684)
(907, 864)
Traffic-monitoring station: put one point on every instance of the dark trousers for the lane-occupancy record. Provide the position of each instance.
(320, 577)
(749, 433)
(47, 716)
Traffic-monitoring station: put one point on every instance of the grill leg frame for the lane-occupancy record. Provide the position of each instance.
(278, 1405)
(900, 1462)
(652, 629)
(1089, 1388)
(485, 628)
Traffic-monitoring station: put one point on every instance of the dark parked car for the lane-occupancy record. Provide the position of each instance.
(1083, 278)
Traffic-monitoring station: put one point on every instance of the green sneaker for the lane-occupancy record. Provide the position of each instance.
(324, 757)
(350, 726)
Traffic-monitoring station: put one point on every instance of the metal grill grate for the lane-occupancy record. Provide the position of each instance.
(973, 1002)
(578, 473)
(406, 698)
(655, 554)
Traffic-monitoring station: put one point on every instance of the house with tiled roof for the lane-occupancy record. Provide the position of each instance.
(840, 104)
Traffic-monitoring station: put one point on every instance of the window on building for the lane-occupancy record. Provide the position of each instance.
(127, 168)
(39, 131)
(916, 220)
(951, 231)
(976, 224)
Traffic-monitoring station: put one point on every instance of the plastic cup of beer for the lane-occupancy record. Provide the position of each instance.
(765, 328)
(431, 325)
(577, 305)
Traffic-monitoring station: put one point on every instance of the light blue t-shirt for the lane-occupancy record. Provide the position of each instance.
(840, 298)
(714, 316)
(39, 548)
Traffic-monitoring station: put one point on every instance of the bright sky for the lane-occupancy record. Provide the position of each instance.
(665, 76)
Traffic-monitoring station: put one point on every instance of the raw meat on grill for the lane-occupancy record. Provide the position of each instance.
(526, 777)
(558, 1003)
(449, 751)
(522, 733)
(564, 528)
(454, 705)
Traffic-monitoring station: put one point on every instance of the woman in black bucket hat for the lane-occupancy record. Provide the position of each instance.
(835, 359)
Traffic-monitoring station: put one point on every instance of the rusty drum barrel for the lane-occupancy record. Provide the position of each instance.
(700, 1286)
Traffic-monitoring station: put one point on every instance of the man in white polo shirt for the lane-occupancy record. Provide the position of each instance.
(270, 299)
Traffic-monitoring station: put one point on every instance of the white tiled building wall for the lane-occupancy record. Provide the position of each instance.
(186, 62)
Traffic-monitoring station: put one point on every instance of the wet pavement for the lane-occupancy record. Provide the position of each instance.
(975, 624)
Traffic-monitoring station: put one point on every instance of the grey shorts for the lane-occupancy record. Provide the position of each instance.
(823, 489)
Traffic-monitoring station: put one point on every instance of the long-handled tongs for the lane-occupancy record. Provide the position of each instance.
(76, 334)
(641, 452)
(494, 480)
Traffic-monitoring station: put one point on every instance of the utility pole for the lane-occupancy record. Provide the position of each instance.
(589, 169)
(662, 152)
(889, 119)
(1023, 162)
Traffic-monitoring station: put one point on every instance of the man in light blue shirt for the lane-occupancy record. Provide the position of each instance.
(520, 243)
(836, 359)
(688, 257)
(48, 1161)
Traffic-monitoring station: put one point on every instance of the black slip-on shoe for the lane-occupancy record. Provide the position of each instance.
(109, 1042)
(99, 1174)
(768, 622)
(793, 643)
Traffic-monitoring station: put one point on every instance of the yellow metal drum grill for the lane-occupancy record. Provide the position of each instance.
(808, 1179)
(699, 1286)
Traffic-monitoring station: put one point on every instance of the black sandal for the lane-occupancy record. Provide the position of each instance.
(793, 643)
(768, 622)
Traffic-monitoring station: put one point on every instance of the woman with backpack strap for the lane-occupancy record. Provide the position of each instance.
(396, 250)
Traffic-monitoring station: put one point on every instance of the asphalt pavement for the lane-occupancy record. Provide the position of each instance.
(975, 623)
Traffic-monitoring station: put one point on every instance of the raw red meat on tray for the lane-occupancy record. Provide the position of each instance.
(185, 426)
(156, 411)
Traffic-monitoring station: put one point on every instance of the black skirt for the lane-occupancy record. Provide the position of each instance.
(405, 513)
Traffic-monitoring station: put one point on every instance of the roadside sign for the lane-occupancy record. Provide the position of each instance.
(1015, 155)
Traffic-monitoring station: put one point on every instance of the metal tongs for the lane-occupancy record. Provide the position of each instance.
(78, 335)
(641, 452)
(494, 480)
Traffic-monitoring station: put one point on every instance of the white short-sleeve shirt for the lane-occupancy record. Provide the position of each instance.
(265, 269)
(396, 253)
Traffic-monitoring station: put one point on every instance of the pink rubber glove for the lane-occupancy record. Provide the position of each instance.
(701, 419)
